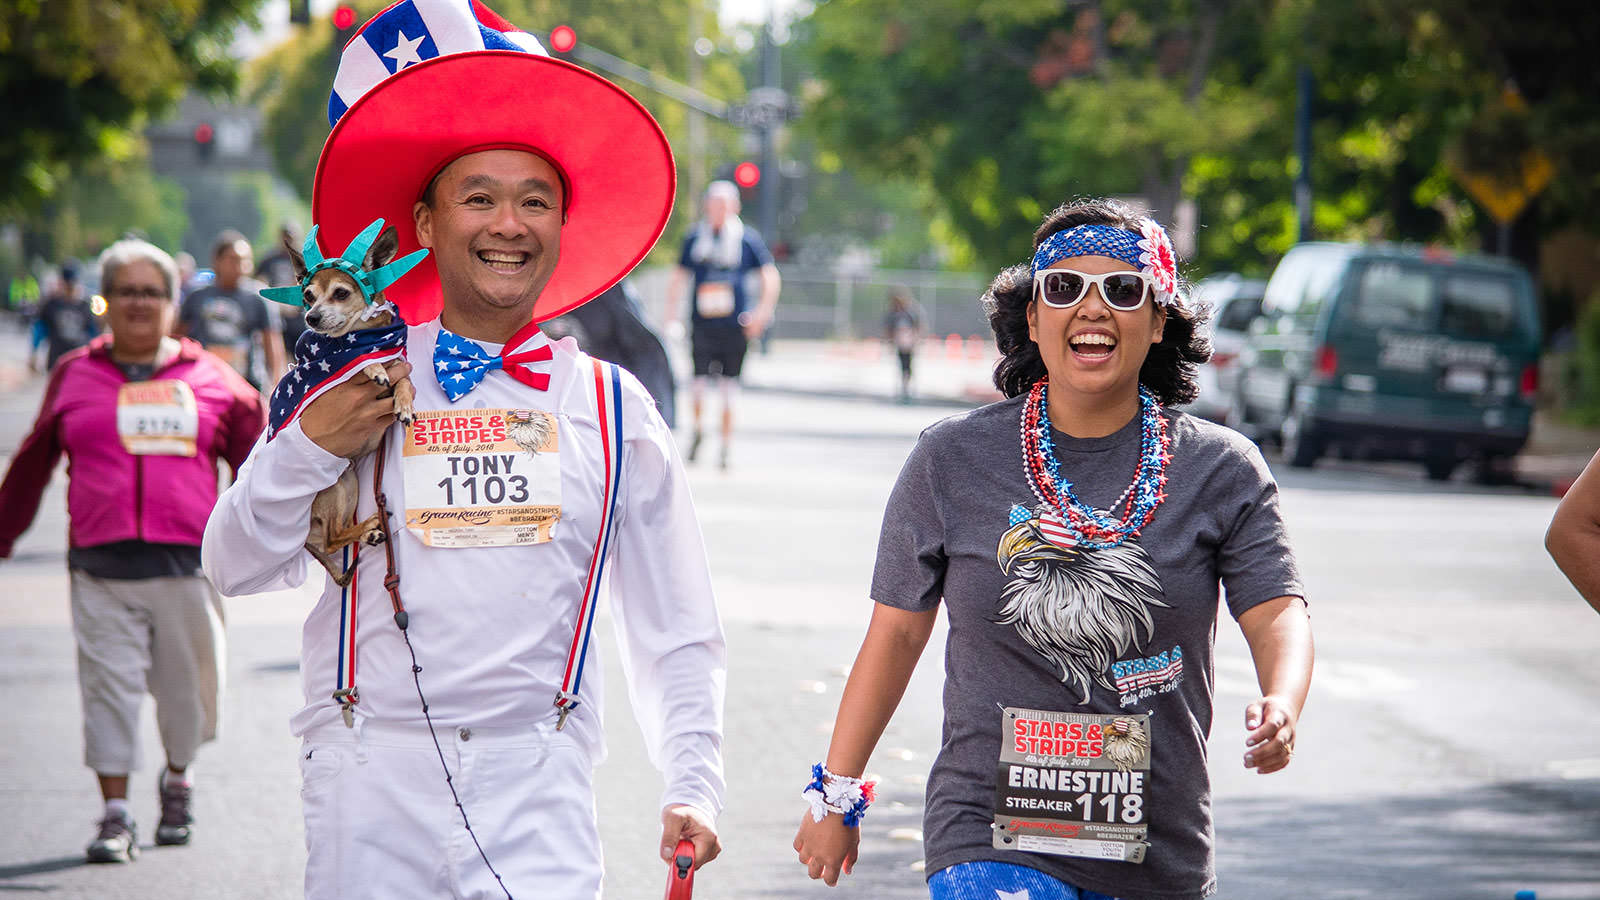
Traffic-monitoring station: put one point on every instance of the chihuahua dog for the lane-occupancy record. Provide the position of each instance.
(336, 306)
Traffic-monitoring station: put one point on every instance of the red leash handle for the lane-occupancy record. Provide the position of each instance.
(680, 872)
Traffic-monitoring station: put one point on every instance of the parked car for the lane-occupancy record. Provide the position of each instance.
(1389, 352)
(1235, 302)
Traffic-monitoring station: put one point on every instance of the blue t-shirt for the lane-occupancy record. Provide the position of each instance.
(704, 305)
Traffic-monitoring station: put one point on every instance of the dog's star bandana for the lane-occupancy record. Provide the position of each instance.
(320, 362)
(461, 364)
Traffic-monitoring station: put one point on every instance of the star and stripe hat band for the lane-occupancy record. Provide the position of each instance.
(426, 82)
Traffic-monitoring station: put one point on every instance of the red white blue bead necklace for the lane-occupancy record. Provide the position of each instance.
(1043, 473)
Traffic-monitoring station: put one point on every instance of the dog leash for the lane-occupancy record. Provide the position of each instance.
(680, 872)
(391, 583)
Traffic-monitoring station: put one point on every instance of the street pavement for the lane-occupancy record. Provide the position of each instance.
(1450, 750)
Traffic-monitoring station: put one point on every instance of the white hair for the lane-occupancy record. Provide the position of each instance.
(727, 190)
(133, 250)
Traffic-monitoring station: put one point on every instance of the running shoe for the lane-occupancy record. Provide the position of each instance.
(175, 817)
(116, 842)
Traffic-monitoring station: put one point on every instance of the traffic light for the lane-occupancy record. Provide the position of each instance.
(299, 12)
(205, 141)
(747, 174)
(563, 39)
(344, 24)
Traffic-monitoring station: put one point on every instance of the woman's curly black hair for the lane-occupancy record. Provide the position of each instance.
(1169, 369)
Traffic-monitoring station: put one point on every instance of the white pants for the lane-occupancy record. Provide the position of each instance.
(380, 822)
(157, 635)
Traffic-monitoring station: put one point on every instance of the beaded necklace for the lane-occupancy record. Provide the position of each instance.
(1043, 473)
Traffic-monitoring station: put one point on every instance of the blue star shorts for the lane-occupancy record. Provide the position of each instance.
(985, 880)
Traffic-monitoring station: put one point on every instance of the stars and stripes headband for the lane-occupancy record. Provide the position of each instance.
(1149, 250)
(352, 262)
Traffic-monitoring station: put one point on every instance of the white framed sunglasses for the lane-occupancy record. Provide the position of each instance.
(1066, 288)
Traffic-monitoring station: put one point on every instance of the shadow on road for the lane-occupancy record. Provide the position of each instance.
(38, 868)
(1486, 842)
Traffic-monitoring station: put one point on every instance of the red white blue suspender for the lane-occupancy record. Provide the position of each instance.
(608, 397)
(345, 679)
(608, 394)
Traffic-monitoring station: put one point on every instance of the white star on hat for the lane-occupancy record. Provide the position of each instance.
(1007, 895)
(405, 51)
(443, 364)
(324, 364)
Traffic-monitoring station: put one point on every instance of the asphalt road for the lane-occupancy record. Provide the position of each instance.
(1451, 748)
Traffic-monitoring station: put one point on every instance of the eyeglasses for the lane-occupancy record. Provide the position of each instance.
(136, 293)
(1066, 288)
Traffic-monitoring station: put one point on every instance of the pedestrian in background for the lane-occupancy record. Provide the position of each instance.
(188, 274)
(144, 419)
(229, 318)
(277, 270)
(1082, 615)
(716, 255)
(903, 327)
(1574, 535)
(65, 320)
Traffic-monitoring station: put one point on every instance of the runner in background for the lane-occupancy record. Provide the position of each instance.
(275, 270)
(65, 320)
(903, 328)
(145, 421)
(716, 256)
(229, 318)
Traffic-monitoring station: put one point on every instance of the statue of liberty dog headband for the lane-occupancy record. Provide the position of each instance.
(1148, 250)
(352, 262)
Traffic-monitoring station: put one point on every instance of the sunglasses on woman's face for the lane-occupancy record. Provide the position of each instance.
(1065, 288)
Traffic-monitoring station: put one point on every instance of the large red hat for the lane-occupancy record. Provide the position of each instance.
(428, 81)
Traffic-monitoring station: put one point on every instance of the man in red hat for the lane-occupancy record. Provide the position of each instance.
(530, 473)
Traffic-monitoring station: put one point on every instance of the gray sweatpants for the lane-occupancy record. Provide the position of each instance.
(161, 636)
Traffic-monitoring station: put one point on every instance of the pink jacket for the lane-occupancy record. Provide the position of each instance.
(113, 495)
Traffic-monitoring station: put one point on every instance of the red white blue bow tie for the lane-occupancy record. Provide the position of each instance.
(461, 364)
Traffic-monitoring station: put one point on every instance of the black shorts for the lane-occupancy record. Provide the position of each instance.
(719, 349)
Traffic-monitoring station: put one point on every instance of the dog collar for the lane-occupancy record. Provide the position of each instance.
(351, 262)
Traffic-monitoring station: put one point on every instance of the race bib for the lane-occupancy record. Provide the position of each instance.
(1073, 784)
(482, 477)
(157, 418)
(714, 300)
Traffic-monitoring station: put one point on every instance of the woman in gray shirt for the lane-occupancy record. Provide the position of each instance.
(1077, 535)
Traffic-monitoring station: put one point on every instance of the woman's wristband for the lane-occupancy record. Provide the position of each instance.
(828, 792)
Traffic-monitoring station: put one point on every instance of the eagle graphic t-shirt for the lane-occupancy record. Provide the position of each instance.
(1039, 623)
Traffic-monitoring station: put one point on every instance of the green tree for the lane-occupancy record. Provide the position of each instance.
(78, 76)
(1007, 108)
(102, 201)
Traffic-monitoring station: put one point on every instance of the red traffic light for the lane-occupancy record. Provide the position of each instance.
(344, 17)
(563, 39)
(747, 174)
(203, 133)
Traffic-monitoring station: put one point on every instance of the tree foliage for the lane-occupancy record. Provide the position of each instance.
(1004, 109)
(76, 76)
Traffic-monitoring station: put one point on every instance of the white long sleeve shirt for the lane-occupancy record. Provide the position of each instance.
(492, 625)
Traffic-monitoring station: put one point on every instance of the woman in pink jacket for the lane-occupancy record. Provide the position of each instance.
(144, 419)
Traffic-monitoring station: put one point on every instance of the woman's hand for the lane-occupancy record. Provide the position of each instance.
(827, 848)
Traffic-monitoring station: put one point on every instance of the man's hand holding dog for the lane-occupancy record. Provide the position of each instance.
(349, 419)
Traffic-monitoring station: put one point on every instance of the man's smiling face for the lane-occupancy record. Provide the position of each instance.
(493, 220)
